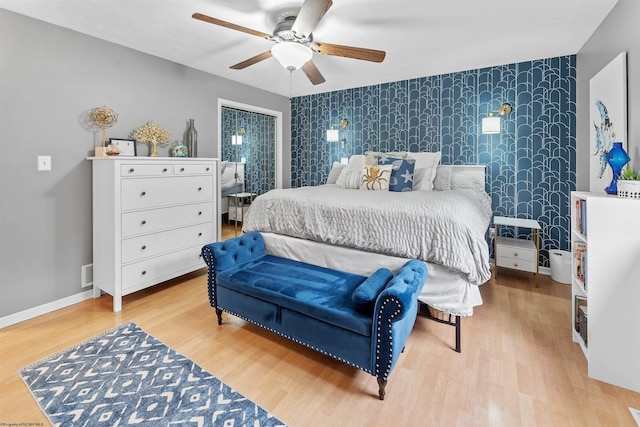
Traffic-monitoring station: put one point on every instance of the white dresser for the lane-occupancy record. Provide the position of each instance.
(151, 217)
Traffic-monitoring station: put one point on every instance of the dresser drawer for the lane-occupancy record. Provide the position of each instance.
(155, 270)
(149, 245)
(146, 193)
(156, 169)
(153, 220)
(193, 169)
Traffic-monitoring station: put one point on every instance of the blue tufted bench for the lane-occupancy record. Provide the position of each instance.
(361, 321)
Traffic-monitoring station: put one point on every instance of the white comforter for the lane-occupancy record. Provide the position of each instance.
(441, 227)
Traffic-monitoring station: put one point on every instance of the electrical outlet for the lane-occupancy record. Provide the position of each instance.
(44, 163)
(86, 275)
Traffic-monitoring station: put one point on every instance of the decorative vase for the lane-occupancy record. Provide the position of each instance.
(192, 139)
(180, 150)
(617, 158)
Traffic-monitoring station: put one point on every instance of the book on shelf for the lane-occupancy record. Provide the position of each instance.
(583, 324)
(580, 260)
(581, 216)
(580, 317)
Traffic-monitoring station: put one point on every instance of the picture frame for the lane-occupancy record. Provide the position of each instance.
(127, 147)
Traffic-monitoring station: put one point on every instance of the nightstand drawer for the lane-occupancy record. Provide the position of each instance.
(516, 264)
(516, 248)
(519, 254)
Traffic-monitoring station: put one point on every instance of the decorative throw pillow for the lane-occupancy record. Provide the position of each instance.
(373, 157)
(352, 180)
(334, 173)
(425, 169)
(365, 295)
(401, 173)
(442, 181)
(376, 177)
(356, 162)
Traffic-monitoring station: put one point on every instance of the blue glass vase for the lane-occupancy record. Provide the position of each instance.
(617, 158)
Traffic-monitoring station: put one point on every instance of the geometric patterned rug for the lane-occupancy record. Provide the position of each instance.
(126, 377)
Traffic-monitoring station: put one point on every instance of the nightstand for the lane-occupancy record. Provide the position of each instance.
(238, 210)
(517, 254)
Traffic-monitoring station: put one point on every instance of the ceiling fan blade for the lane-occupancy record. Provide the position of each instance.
(220, 22)
(349, 52)
(310, 14)
(253, 60)
(313, 73)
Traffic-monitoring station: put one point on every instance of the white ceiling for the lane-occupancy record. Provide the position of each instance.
(421, 37)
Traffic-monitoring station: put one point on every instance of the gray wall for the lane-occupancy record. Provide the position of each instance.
(49, 77)
(618, 33)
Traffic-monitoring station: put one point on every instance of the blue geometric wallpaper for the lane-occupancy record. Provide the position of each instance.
(530, 165)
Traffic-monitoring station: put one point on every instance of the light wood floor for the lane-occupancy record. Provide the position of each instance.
(518, 366)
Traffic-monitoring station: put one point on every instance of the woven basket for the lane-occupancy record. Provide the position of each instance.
(629, 189)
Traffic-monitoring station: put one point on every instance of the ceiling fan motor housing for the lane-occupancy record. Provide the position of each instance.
(283, 33)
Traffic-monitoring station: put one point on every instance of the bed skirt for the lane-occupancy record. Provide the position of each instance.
(445, 289)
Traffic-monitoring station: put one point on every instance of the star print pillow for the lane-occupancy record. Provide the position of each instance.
(401, 173)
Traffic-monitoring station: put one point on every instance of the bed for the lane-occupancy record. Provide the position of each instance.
(231, 182)
(360, 231)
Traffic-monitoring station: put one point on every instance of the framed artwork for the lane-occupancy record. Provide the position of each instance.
(127, 147)
(608, 115)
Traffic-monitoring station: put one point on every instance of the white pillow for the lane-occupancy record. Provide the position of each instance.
(352, 180)
(356, 163)
(442, 181)
(425, 169)
(335, 171)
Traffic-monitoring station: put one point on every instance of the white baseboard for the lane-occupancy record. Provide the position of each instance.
(30, 313)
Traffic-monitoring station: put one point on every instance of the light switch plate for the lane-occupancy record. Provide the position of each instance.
(44, 163)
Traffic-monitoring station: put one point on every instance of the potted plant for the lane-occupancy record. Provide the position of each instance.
(629, 183)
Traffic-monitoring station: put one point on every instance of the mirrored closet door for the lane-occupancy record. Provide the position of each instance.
(249, 153)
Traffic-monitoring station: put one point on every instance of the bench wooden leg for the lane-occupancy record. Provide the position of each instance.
(219, 313)
(382, 384)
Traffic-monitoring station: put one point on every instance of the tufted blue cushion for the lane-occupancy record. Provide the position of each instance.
(364, 296)
(401, 174)
(318, 292)
(233, 251)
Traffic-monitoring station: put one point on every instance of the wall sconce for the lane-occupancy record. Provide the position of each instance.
(237, 139)
(333, 133)
(491, 123)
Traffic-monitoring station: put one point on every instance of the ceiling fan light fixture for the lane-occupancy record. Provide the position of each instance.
(291, 55)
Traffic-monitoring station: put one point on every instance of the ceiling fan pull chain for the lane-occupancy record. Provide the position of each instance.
(290, 84)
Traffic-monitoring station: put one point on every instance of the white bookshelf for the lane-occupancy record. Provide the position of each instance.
(612, 287)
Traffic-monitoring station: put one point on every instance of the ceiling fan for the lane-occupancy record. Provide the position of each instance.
(294, 41)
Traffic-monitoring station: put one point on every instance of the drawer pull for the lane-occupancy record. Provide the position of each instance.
(515, 254)
(181, 169)
(164, 170)
(199, 188)
(144, 272)
(131, 170)
(144, 247)
(143, 222)
(144, 193)
(207, 169)
(515, 264)
(199, 234)
(199, 213)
